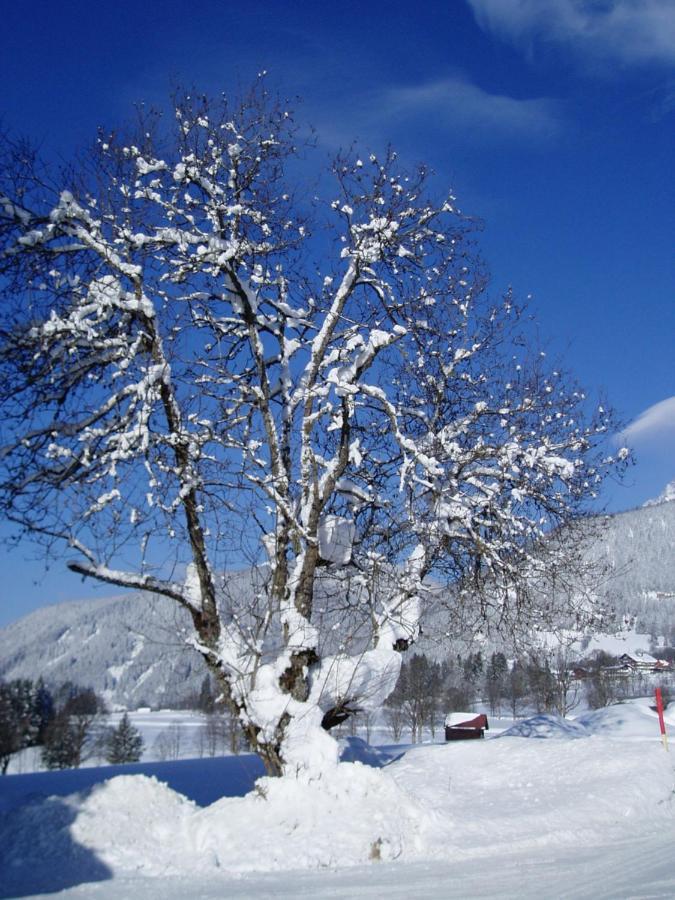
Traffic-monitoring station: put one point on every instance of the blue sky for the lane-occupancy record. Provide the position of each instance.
(552, 120)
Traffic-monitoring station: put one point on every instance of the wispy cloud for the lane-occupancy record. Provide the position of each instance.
(463, 112)
(627, 31)
(655, 424)
(458, 104)
(662, 102)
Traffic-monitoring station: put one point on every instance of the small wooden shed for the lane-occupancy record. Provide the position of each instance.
(465, 726)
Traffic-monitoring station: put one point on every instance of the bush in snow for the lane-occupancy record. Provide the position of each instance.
(194, 376)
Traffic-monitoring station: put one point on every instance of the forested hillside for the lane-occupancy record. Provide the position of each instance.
(639, 547)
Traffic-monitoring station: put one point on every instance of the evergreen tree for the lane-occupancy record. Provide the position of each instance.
(43, 709)
(125, 743)
(24, 712)
(458, 690)
(62, 748)
(516, 690)
(10, 735)
(74, 731)
(495, 681)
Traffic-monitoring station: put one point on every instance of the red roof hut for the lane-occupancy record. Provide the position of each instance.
(465, 726)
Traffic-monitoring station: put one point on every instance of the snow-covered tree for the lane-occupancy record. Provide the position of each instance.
(125, 743)
(204, 367)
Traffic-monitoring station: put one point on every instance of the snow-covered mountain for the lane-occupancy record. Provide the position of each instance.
(125, 647)
(666, 496)
(639, 549)
(130, 649)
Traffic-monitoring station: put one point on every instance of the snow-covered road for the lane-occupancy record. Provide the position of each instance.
(635, 869)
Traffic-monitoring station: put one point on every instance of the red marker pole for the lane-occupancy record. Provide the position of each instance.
(659, 710)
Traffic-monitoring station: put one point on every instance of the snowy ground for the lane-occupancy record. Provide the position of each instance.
(552, 809)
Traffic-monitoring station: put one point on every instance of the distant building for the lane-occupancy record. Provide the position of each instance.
(465, 726)
(639, 661)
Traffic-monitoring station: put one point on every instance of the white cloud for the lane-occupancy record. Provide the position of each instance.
(656, 424)
(628, 31)
(466, 114)
(458, 104)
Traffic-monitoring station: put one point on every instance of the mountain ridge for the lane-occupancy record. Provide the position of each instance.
(667, 495)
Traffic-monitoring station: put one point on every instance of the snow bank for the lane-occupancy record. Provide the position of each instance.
(630, 719)
(355, 749)
(546, 725)
(202, 780)
(133, 823)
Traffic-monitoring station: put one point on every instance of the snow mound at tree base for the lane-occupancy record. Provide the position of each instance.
(351, 815)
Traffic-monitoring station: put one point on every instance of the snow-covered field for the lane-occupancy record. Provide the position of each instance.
(182, 734)
(167, 735)
(550, 809)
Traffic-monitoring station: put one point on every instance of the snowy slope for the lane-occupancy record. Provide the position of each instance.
(640, 547)
(590, 816)
(126, 648)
